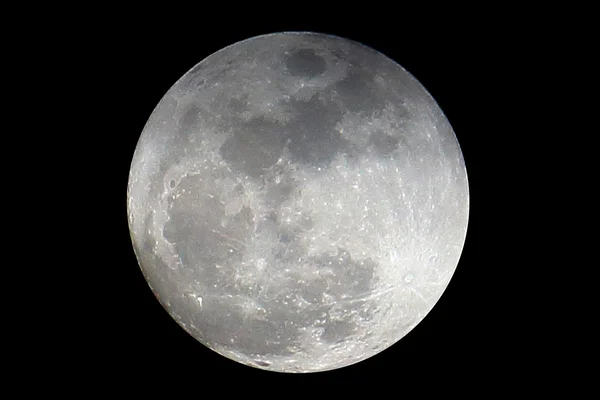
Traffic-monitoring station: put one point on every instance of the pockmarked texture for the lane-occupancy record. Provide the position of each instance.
(298, 202)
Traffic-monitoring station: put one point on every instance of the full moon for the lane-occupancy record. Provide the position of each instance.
(298, 202)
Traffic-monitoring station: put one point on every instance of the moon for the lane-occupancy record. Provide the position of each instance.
(298, 202)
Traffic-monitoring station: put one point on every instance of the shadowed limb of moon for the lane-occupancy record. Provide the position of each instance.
(298, 202)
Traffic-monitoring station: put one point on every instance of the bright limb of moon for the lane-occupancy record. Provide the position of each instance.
(298, 202)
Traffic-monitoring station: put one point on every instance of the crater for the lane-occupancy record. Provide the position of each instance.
(190, 117)
(285, 237)
(188, 125)
(262, 363)
(305, 63)
(195, 69)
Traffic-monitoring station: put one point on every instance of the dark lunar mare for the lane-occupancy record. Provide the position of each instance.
(310, 136)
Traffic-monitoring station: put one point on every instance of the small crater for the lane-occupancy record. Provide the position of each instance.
(172, 183)
(285, 237)
(238, 190)
(262, 363)
(409, 278)
(305, 63)
(195, 69)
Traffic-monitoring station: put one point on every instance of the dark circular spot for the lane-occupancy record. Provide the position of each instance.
(172, 183)
(190, 117)
(305, 63)
(238, 105)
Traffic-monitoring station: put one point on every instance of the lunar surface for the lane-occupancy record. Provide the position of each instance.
(298, 202)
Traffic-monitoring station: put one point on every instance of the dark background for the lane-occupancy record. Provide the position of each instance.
(122, 334)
